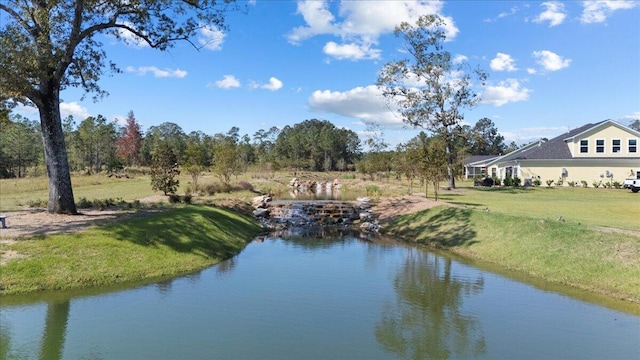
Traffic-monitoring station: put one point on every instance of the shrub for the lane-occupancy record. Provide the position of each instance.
(516, 181)
(348, 176)
(496, 181)
(488, 182)
(174, 199)
(537, 182)
(560, 181)
(617, 185)
(243, 185)
(187, 198)
(584, 183)
(596, 184)
(38, 203)
(549, 182)
(372, 190)
(571, 183)
(507, 181)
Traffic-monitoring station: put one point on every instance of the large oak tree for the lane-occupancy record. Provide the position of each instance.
(430, 88)
(49, 45)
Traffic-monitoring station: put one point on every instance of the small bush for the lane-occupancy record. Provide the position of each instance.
(83, 203)
(571, 183)
(549, 182)
(583, 183)
(617, 185)
(38, 203)
(516, 181)
(243, 185)
(349, 176)
(596, 184)
(372, 190)
(496, 181)
(174, 199)
(537, 182)
(560, 181)
(507, 181)
(488, 182)
(187, 198)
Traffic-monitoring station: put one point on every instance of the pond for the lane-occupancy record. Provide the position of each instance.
(320, 296)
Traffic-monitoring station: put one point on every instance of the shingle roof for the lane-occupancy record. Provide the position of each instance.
(556, 148)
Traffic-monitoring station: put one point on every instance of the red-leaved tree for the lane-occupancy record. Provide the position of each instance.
(128, 146)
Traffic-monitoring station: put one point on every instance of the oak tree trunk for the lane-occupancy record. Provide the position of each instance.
(61, 199)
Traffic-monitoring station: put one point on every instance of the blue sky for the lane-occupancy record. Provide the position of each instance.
(552, 66)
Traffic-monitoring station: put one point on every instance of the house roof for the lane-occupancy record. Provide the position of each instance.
(479, 160)
(556, 148)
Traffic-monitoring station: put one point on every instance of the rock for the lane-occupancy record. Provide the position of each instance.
(261, 213)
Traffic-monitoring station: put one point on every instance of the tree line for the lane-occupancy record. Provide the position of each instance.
(96, 145)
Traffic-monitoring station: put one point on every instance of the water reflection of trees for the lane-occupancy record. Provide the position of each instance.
(427, 321)
(55, 330)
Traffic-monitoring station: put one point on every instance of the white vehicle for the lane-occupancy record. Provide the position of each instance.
(633, 184)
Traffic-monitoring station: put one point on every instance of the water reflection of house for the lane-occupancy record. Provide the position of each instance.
(604, 151)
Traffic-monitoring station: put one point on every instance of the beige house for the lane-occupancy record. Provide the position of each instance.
(603, 152)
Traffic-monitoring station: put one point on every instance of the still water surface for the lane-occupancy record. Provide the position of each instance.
(321, 298)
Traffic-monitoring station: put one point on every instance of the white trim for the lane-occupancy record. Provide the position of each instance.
(604, 147)
(613, 146)
(629, 147)
(580, 145)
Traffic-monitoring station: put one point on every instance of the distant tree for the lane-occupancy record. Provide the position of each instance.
(20, 146)
(512, 147)
(486, 140)
(168, 132)
(130, 142)
(48, 46)
(195, 157)
(429, 89)
(95, 143)
(225, 163)
(316, 145)
(164, 169)
(635, 124)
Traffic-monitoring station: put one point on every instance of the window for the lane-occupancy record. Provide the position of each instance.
(615, 145)
(633, 146)
(584, 146)
(600, 146)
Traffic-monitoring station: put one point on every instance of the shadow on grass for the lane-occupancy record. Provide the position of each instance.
(505, 189)
(199, 230)
(440, 227)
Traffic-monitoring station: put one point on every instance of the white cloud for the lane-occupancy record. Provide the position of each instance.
(364, 103)
(525, 136)
(74, 109)
(361, 23)
(159, 73)
(551, 61)
(227, 82)
(505, 92)
(273, 85)
(598, 11)
(554, 14)
(459, 59)
(211, 38)
(350, 51)
(130, 38)
(531, 71)
(503, 62)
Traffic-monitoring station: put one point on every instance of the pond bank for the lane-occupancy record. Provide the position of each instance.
(130, 248)
(567, 253)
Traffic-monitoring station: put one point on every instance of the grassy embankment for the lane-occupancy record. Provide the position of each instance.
(169, 243)
(522, 231)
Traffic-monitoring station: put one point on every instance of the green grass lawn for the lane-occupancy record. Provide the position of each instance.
(598, 207)
(169, 243)
(567, 253)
